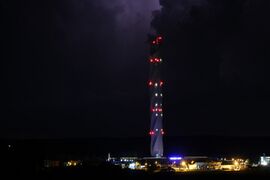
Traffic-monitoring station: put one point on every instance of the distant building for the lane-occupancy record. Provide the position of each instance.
(264, 161)
(195, 163)
(229, 165)
(61, 163)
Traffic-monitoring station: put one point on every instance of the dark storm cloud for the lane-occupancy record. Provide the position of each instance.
(70, 67)
(228, 29)
(217, 53)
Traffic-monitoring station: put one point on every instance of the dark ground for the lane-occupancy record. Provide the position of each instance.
(24, 158)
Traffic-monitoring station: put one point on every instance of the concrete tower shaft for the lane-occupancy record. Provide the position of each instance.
(156, 96)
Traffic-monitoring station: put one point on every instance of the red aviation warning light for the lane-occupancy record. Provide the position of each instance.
(159, 39)
(155, 60)
(156, 84)
(156, 109)
(151, 133)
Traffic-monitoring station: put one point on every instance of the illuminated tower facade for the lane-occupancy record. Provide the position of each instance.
(156, 96)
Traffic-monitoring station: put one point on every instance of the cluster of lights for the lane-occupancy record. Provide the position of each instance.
(156, 84)
(157, 110)
(157, 41)
(152, 132)
(162, 132)
(156, 94)
(155, 60)
(72, 163)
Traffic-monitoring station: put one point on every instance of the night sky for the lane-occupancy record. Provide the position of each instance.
(79, 68)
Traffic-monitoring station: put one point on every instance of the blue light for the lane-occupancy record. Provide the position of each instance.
(175, 158)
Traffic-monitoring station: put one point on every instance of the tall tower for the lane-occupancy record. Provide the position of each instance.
(155, 86)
